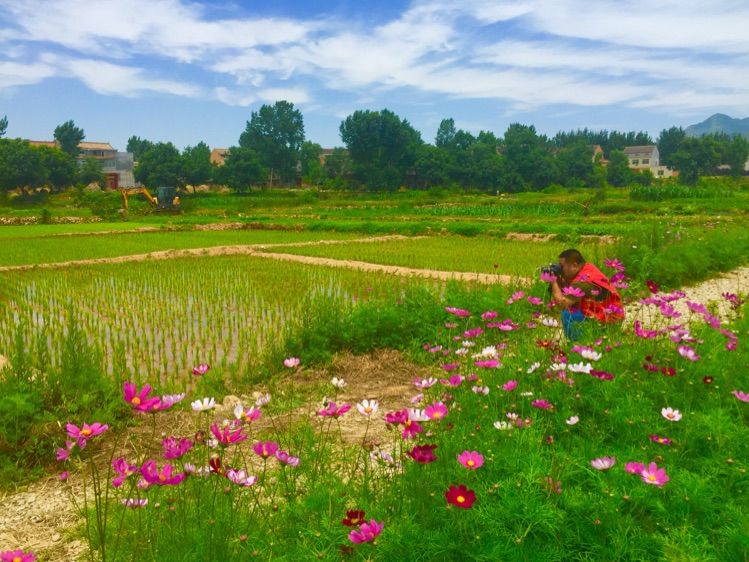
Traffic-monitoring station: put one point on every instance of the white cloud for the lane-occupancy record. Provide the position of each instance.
(293, 95)
(14, 74)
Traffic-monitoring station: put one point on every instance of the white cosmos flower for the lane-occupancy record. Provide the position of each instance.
(558, 366)
(526, 393)
(338, 383)
(502, 425)
(461, 351)
(670, 414)
(203, 405)
(533, 367)
(511, 415)
(468, 343)
(590, 355)
(367, 407)
(572, 421)
(414, 414)
(480, 389)
(262, 400)
(549, 322)
(580, 367)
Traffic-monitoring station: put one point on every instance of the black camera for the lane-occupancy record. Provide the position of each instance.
(553, 268)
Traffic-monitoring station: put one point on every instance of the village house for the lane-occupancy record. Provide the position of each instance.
(646, 157)
(116, 166)
(218, 156)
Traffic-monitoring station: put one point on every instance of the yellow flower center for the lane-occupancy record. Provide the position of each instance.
(470, 463)
(16, 559)
(355, 521)
(368, 409)
(460, 499)
(86, 432)
(437, 415)
(162, 478)
(135, 401)
(651, 477)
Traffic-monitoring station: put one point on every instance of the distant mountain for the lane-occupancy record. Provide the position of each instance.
(720, 123)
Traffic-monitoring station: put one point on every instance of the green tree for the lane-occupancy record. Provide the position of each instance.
(528, 160)
(90, 171)
(432, 166)
(309, 156)
(338, 164)
(160, 165)
(696, 157)
(3, 126)
(196, 164)
(618, 172)
(137, 146)
(446, 132)
(668, 143)
(736, 155)
(575, 165)
(241, 169)
(276, 133)
(20, 165)
(69, 137)
(59, 167)
(382, 147)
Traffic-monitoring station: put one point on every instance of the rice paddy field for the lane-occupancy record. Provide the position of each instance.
(233, 407)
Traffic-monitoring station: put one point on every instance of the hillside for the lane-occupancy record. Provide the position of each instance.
(720, 123)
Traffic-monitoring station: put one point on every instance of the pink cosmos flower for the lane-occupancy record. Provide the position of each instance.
(134, 503)
(661, 440)
(535, 301)
(139, 401)
(86, 432)
(473, 333)
(688, 353)
(286, 458)
(265, 449)
(459, 312)
(489, 315)
(423, 384)
(542, 404)
(64, 476)
(488, 364)
(603, 463)
(246, 415)
(240, 477)
(62, 454)
(548, 277)
(163, 477)
(174, 448)
(17, 556)
(471, 459)
(447, 367)
(654, 475)
(573, 292)
(291, 362)
(123, 470)
(670, 414)
(200, 370)
(333, 411)
(227, 435)
(614, 264)
(634, 467)
(436, 411)
(510, 385)
(743, 396)
(401, 416)
(367, 532)
(423, 454)
(411, 428)
(453, 381)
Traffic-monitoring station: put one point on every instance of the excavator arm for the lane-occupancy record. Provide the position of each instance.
(127, 191)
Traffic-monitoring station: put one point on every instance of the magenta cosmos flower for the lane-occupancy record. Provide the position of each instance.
(334, 411)
(542, 404)
(459, 312)
(423, 454)
(174, 448)
(654, 475)
(743, 396)
(123, 470)
(286, 458)
(367, 532)
(436, 411)
(265, 449)
(603, 463)
(164, 477)
(660, 439)
(240, 477)
(17, 556)
(510, 385)
(200, 370)
(634, 467)
(140, 401)
(83, 434)
(227, 435)
(471, 459)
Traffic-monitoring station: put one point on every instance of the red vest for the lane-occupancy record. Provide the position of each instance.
(607, 310)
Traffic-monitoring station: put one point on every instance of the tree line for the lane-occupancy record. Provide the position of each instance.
(382, 152)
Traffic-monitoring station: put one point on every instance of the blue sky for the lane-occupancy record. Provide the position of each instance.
(171, 70)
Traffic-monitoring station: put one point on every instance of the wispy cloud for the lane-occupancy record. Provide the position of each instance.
(670, 55)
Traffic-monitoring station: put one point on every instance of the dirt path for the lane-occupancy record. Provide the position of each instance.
(262, 251)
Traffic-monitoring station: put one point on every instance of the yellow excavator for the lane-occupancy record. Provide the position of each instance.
(165, 200)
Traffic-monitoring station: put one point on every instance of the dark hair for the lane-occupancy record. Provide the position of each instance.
(573, 255)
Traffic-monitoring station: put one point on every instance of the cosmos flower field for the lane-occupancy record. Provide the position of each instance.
(511, 443)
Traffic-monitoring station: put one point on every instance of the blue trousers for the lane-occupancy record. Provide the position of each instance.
(572, 322)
